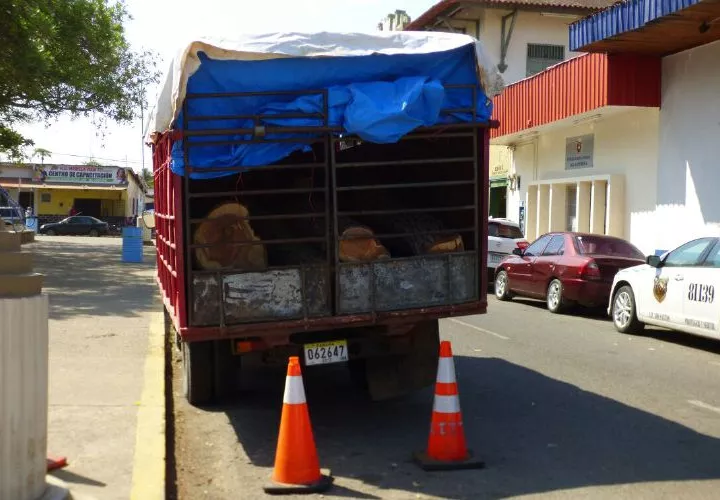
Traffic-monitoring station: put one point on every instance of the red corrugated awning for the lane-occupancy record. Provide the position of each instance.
(577, 86)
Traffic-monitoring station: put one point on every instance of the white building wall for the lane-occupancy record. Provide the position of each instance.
(530, 27)
(625, 143)
(689, 160)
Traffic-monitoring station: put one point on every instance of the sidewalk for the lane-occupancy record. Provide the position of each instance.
(100, 314)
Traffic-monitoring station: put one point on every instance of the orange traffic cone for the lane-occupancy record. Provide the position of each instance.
(447, 449)
(296, 462)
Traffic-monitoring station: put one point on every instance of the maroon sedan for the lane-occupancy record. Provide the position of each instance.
(566, 268)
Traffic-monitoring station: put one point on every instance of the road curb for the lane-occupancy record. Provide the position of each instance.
(148, 478)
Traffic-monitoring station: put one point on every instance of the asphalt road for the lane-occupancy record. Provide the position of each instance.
(558, 407)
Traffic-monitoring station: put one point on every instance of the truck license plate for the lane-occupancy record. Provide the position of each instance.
(322, 353)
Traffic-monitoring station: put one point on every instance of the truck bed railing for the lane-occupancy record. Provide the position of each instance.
(300, 207)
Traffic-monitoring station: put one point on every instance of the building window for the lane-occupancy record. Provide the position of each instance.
(541, 56)
(44, 197)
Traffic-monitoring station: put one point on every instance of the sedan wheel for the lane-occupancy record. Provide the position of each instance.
(94, 232)
(554, 296)
(624, 311)
(51, 232)
(502, 291)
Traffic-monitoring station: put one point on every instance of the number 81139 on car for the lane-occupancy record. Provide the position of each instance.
(322, 353)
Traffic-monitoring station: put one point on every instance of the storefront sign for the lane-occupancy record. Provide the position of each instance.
(499, 170)
(579, 152)
(80, 174)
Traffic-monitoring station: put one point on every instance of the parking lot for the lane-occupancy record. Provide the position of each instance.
(558, 407)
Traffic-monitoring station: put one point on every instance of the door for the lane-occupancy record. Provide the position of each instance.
(88, 206)
(544, 267)
(701, 313)
(520, 272)
(662, 295)
(25, 199)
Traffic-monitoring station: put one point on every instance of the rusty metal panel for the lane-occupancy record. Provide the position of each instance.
(259, 296)
(424, 281)
(277, 294)
(206, 300)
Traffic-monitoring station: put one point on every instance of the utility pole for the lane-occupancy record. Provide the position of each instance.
(142, 127)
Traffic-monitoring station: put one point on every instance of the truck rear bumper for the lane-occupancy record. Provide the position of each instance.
(278, 333)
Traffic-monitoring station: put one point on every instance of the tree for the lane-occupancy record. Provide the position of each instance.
(42, 153)
(67, 56)
(148, 176)
(92, 162)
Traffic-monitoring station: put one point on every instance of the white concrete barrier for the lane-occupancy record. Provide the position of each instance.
(23, 374)
(23, 397)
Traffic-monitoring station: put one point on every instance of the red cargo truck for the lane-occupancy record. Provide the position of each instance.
(344, 250)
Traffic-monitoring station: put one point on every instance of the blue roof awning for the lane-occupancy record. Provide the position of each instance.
(658, 27)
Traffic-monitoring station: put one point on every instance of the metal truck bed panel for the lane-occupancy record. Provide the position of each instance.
(407, 283)
(278, 294)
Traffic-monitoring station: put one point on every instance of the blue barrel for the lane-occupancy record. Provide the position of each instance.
(32, 223)
(132, 244)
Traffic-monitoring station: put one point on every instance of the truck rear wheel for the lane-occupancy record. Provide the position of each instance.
(198, 371)
(390, 377)
(210, 371)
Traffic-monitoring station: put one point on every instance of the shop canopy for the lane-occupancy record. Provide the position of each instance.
(649, 27)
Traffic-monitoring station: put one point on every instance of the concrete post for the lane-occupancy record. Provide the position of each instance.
(23, 374)
(558, 207)
(597, 207)
(543, 210)
(531, 213)
(583, 206)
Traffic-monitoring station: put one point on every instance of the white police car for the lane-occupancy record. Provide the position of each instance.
(678, 290)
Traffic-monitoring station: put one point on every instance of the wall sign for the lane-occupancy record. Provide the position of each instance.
(579, 152)
(80, 174)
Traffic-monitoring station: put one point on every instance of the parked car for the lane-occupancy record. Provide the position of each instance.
(675, 290)
(504, 236)
(566, 268)
(11, 215)
(76, 225)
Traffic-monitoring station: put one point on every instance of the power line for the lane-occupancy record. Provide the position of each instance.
(97, 158)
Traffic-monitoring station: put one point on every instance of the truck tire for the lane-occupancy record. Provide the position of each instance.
(390, 377)
(225, 370)
(198, 371)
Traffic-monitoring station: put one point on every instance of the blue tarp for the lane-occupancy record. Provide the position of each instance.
(379, 97)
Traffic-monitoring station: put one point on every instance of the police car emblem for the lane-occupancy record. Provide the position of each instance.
(660, 288)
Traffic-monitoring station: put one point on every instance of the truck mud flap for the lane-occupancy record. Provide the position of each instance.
(395, 376)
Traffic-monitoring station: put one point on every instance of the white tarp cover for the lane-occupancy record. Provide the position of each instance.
(277, 45)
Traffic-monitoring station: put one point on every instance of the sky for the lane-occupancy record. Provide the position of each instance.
(163, 26)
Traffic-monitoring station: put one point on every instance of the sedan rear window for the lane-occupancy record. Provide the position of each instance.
(504, 231)
(599, 245)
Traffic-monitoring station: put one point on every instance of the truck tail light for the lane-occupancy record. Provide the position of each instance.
(590, 271)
